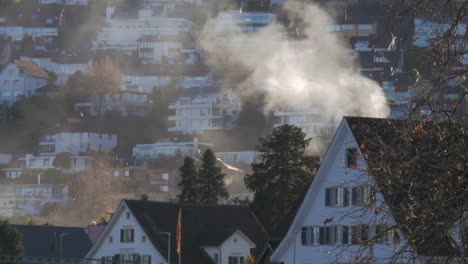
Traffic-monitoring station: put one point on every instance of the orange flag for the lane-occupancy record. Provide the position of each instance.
(179, 231)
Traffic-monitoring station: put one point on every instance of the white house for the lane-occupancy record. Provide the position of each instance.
(62, 64)
(343, 217)
(40, 22)
(168, 149)
(132, 100)
(64, 2)
(167, 48)
(426, 31)
(312, 122)
(21, 78)
(29, 199)
(247, 22)
(44, 162)
(236, 157)
(211, 111)
(145, 231)
(76, 141)
(125, 29)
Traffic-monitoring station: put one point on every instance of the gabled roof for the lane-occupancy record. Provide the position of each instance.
(33, 68)
(213, 222)
(44, 241)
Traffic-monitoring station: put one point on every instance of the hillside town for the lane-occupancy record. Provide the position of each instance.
(233, 131)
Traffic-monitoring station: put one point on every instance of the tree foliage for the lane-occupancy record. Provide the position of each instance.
(10, 240)
(189, 185)
(212, 186)
(62, 160)
(282, 176)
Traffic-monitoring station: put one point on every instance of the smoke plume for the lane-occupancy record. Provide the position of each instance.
(312, 73)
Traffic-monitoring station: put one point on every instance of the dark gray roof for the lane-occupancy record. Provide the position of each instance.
(213, 222)
(44, 241)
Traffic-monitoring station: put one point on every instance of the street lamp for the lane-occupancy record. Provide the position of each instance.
(168, 246)
(61, 243)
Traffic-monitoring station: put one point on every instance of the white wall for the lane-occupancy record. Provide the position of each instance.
(108, 248)
(333, 173)
(236, 245)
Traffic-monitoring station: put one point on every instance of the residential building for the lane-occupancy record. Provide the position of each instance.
(62, 64)
(31, 162)
(5, 158)
(186, 76)
(312, 122)
(64, 2)
(347, 27)
(23, 18)
(43, 242)
(343, 216)
(169, 148)
(210, 111)
(29, 199)
(21, 78)
(76, 141)
(158, 48)
(209, 233)
(127, 26)
(133, 100)
(236, 157)
(427, 31)
(245, 22)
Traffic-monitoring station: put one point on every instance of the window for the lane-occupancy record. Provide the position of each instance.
(327, 235)
(127, 173)
(236, 260)
(46, 162)
(363, 195)
(216, 258)
(127, 215)
(347, 27)
(365, 27)
(143, 238)
(359, 234)
(110, 239)
(351, 158)
(381, 234)
(164, 188)
(145, 259)
(336, 196)
(116, 173)
(165, 176)
(126, 235)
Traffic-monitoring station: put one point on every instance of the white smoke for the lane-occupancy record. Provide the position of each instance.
(315, 72)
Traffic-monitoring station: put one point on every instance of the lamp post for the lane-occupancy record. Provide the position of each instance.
(168, 246)
(61, 243)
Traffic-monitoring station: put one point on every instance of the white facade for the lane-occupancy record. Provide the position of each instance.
(234, 249)
(29, 199)
(312, 122)
(15, 80)
(76, 143)
(236, 157)
(205, 112)
(427, 31)
(168, 149)
(62, 70)
(31, 162)
(65, 2)
(148, 82)
(109, 243)
(340, 217)
(123, 33)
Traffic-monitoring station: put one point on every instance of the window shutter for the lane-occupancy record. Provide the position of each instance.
(304, 235)
(131, 235)
(312, 231)
(149, 259)
(364, 232)
(321, 234)
(332, 235)
(345, 236)
(327, 197)
(346, 197)
(242, 260)
(121, 235)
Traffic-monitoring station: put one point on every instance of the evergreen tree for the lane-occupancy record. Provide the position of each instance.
(10, 240)
(282, 176)
(211, 179)
(189, 185)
